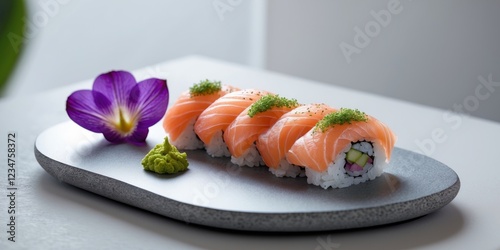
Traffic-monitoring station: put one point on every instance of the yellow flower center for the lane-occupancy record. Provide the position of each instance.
(125, 124)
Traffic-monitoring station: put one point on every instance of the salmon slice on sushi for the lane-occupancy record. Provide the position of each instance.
(275, 142)
(345, 148)
(214, 120)
(243, 132)
(179, 119)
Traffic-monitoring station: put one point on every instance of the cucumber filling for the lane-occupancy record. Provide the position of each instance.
(359, 158)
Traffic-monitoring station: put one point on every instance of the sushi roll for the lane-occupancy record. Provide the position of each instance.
(179, 119)
(215, 119)
(275, 142)
(243, 132)
(344, 148)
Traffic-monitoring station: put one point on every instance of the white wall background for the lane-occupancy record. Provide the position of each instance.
(74, 40)
(430, 52)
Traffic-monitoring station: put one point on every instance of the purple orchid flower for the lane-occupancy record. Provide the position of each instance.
(119, 107)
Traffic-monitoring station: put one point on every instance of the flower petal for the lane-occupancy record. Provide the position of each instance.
(116, 86)
(138, 138)
(149, 99)
(119, 107)
(112, 136)
(88, 109)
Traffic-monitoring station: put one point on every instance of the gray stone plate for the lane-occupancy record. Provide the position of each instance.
(216, 193)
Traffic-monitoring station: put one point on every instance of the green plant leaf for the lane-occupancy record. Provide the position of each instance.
(12, 13)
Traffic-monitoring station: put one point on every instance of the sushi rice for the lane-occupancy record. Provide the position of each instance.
(250, 158)
(336, 175)
(217, 147)
(188, 140)
(285, 169)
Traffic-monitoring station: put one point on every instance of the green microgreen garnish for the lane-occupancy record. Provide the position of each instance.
(205, 87)
(269, 101)
(344, 115)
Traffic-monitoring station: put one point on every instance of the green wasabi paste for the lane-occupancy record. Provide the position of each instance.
(345, 115)
(165, 159)
(205, 87)
(270, 101)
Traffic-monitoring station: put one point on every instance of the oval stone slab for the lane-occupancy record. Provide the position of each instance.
(214, 192)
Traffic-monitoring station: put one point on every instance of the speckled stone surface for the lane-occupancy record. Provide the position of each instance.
(216, 193)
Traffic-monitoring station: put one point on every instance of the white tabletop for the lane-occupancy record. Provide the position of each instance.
(55, 215)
